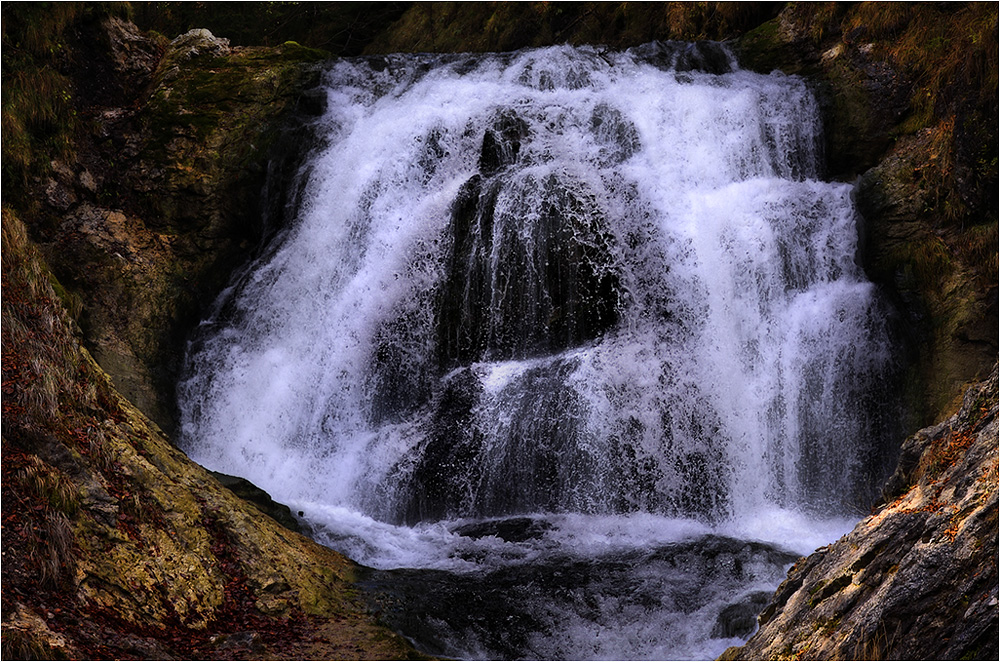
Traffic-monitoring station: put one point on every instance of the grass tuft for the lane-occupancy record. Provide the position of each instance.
(39, 351)
(945, 52)
(24, 643)
(48, 485)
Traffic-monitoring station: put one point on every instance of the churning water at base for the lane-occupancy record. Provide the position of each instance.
(569, 346)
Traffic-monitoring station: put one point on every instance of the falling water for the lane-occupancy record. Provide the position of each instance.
(569, 346)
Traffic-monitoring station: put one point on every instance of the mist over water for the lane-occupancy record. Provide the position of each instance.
(577, 333)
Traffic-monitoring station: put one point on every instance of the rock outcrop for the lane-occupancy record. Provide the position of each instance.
(917, 579)
(165, 200)
(118, 546)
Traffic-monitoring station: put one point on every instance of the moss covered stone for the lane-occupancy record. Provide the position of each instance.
(177, 204)
(121, 546)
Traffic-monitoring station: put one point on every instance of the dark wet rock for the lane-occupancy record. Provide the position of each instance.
(704, 56)
(515, 529)
(502, 142)
(740, 619)
(505, 613)
(450, 461)
(247, 491)
(535, 462)
(618, 137)
(538, 275)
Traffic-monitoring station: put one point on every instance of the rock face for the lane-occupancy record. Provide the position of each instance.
(165, 201)
(918, 578)
(901, 109)
(512, 296)
(117, 545)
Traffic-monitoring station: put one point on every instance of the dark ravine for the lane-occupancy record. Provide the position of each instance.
(160, 202)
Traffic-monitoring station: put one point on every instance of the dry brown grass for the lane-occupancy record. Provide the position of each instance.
(942, 50)
(47, 485)
(40, 353)
(38, 115)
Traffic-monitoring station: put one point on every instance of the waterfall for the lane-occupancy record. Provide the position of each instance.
(558, 304)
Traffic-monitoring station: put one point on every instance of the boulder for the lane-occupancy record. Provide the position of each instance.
(198, 42)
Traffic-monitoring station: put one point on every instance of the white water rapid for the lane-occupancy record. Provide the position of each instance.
(569, 346)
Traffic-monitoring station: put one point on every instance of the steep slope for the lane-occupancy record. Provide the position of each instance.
(917, 579)
(115, 544)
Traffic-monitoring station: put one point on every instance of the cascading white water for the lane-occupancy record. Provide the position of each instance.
(601, 297)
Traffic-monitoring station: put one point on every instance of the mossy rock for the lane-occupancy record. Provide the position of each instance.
(188, 205)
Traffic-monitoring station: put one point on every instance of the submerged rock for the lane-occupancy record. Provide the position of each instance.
(538, 610)
(513, 529)
(532, 270)
(740, 619)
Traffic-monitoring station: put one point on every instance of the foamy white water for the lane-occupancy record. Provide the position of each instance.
(600, 301)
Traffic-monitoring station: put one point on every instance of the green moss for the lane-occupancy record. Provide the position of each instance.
(293, 51)
(219, 115)
(762, 49)
(70, 301)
